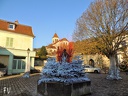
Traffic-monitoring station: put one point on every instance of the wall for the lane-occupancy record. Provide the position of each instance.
(99, 60)
(20, 45)
(4, 59)
(20, 41)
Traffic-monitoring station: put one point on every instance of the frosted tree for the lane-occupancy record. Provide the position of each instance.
(63, 72)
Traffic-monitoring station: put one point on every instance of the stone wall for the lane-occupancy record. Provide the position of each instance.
(99, 60)
(62, 89)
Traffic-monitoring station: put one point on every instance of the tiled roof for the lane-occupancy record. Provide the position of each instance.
(55, 35)
(51, 46)
(19, 28)
(63, 39)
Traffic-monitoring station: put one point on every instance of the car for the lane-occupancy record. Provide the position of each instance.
(89, 68)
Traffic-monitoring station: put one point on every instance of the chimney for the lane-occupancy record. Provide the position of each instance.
(16, 22)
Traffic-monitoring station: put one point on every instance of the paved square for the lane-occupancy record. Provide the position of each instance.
(19, 86)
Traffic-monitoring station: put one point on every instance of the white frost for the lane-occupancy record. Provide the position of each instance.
(64, 72)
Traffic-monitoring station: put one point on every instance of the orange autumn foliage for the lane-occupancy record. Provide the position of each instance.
(69, 52)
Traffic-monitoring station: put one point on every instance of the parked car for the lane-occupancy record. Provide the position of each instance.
(89, 68)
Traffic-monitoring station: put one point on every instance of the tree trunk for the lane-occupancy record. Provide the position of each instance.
(113, 70)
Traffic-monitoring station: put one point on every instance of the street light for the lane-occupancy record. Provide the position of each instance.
(28, 61)
(28, 50)
(27, 68)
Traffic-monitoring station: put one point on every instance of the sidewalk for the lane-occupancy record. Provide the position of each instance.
(13, 76)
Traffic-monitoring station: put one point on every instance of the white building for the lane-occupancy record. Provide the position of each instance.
(15, 39)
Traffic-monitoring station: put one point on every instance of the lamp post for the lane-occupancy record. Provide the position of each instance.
(28, 60)
(27, 67)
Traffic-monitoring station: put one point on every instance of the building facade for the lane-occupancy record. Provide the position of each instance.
(123, 54)
(103, 61)
(56, 43)
(15, 39)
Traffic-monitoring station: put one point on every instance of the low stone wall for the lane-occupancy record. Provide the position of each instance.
(62, 89)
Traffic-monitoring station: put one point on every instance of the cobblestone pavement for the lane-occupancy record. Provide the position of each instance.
(102, 87)
(19, 86)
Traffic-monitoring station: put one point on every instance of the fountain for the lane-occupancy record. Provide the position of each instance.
(63, 77)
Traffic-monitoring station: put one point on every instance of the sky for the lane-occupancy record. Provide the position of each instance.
(46, 17)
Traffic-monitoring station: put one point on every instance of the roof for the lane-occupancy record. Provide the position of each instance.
(63, 39)
(51, 46)
(19, 28)
(55, 35)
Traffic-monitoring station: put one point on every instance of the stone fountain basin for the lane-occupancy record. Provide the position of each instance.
(62, 89)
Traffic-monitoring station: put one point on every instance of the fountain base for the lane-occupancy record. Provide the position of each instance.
(62, 89)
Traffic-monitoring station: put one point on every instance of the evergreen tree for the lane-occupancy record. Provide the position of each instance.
(43, 52)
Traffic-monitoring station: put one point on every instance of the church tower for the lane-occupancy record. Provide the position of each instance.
(55, 38)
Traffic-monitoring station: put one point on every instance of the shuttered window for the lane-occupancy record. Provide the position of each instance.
(9, 42)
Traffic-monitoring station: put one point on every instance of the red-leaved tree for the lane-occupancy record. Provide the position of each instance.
(69, 52)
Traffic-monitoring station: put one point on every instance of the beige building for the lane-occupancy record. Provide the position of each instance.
(98, 59)
(103, 61)
(120, 54)
(56, 42)
(15, 39)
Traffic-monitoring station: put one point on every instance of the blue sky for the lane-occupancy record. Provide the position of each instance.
(45, 16)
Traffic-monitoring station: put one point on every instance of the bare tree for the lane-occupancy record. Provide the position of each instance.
(107, 22)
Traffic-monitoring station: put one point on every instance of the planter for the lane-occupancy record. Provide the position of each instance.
(62, 89)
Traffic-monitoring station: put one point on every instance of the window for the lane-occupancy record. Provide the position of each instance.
(11, 26)
(23, 65)
(14, 64)
(18, 64)
(9, 42)
(87, 67)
